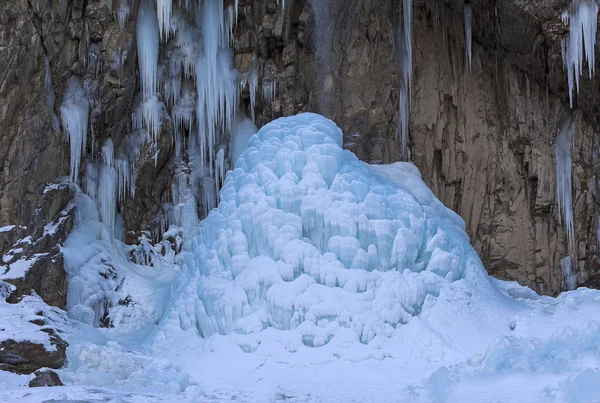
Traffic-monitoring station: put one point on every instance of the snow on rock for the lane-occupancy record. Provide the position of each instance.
(307, 237)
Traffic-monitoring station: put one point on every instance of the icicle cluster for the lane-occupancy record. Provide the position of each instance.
(583, 22)
(197, 90)
(109, 181)
(404, 49)
(74, 113)
(562, 154)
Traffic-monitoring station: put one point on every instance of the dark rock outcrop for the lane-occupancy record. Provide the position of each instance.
(45, 378)
(24, 357)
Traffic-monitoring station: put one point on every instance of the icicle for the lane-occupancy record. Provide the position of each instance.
(269, 91)
(147, 45)
(562, 154)
(468, 32)
(74, 114)
(122, 15)
(150, 114)
(581, 39)
(108, 152)
(164, 10)
(126, 178)
(569, 281)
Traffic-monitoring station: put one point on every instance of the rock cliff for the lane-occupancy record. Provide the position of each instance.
(482, 135)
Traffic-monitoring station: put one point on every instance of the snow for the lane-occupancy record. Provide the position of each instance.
(15, 323)
(16, 269)
(317, 277)
(74, 114)
(7, 228)
(564, 195)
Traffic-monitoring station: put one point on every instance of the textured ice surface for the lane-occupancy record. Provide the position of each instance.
(308, 237)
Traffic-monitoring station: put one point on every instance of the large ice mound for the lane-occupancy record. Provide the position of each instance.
(307, 236)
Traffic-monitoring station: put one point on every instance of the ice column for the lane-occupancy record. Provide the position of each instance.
(74, 114)
(562, 154)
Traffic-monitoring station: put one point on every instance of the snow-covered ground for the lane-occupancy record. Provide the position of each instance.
(318, 278)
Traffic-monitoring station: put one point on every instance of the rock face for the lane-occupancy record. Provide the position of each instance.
(45, 378)
(482, 136)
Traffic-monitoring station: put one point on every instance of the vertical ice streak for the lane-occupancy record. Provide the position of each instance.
(562, 155)
(569, 281)
(469, 32)
(580, 40)
(74, 113)
(147, 45)
(107, 197)
(404, 53)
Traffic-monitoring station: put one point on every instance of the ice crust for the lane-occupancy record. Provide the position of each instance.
(307, 236)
